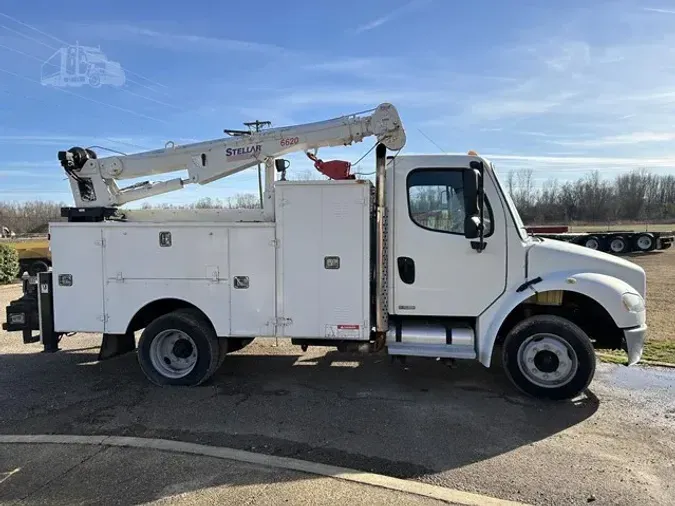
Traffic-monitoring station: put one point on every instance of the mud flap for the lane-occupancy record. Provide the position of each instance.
(114, 345)
(48, 337)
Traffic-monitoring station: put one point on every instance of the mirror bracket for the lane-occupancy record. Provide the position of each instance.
(478, 245)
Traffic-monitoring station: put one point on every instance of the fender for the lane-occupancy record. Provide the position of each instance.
(121, 318)
(604, 289)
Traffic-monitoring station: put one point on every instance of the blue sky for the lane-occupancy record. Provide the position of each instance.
(561, 88)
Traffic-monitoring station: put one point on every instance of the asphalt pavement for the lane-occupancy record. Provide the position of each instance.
(464, 428)
(57, 474)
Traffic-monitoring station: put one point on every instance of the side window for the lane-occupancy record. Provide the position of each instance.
(436, 201)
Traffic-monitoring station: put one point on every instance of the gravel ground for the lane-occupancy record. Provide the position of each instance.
(464, 428)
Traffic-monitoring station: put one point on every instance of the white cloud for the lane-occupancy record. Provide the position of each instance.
(347, 65)
(589, 162)
(375, 23)
(37, 140)
(362, 97)
(180, 41)
(662, 11)
(622, 139)
(503, 107)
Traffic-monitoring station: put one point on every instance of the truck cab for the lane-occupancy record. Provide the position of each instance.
(546, 302)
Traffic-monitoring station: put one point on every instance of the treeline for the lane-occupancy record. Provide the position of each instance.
(635, 196)
(33, 217)
(29, 217)
(239, 201)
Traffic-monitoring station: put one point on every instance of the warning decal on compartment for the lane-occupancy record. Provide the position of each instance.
(343, 331)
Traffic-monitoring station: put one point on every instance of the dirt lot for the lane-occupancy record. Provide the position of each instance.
(660, 269)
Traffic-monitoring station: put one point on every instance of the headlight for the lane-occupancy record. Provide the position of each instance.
(633, 302)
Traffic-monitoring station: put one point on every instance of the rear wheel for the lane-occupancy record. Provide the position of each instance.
(592, 242)
(179, 348)
(645, 242)
(549, 357)
(618, 244)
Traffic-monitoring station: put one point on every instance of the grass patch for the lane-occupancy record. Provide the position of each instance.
(655, 351)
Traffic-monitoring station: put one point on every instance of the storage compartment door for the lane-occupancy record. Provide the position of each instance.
(77, 265)
(147, 263)
(252, 274)
(324, 233)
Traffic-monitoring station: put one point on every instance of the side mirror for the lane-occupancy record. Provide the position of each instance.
(472, 221)
(472, 226)
(281, 164)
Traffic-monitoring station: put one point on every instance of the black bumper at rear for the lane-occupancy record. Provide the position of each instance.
(22, 314)
(34, 311)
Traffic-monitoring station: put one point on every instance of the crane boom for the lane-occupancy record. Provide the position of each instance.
(93, 179)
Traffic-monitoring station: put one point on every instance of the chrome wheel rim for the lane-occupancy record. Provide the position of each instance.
(173, 353)
(547, 360)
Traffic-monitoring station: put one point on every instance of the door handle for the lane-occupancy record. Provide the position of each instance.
(406, 269)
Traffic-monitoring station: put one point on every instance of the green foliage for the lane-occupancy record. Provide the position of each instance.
(9, 264)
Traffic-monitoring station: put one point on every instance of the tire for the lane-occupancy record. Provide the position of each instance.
(592, 242)
(94, 79)
(618, 245)
(37, 266)
(532, 356)
(645, 242)
(179, 348)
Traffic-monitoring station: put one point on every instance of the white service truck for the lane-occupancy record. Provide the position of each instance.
(432, 260)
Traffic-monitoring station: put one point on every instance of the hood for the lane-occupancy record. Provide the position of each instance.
(554, 255)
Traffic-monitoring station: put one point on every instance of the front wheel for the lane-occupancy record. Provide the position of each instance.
(549, 357)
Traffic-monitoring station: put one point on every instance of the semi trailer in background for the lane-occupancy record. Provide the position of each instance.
(617, 242)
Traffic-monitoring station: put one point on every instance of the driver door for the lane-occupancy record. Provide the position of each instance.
(436, 270)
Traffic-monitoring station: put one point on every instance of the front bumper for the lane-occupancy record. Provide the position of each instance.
(635, 343)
